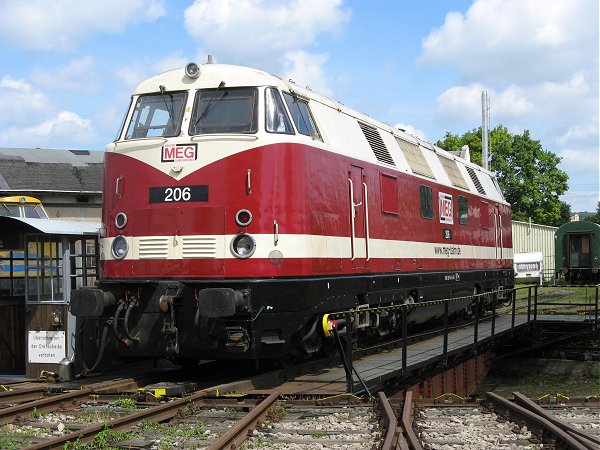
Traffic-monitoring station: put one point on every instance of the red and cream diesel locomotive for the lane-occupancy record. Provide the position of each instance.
(241, 210)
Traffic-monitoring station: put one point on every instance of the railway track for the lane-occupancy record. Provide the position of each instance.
(261, 411)
(196, 421)
(499, 423)
(213, 417)
(236, 415)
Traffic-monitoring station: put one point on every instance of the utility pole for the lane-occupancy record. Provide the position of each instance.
(485, 119)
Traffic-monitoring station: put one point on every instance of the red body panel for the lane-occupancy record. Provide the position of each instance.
(306, 190)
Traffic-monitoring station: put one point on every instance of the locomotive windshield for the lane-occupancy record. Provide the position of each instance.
(225, 111)
(156, 115)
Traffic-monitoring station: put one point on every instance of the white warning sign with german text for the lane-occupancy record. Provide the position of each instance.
(46, 347)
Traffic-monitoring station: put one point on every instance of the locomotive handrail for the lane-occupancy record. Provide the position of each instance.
(352, 216)
(117, 185)
(366, 220)
(337, 314)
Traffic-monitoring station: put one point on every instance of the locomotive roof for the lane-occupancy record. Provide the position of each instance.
(212, 75)
(578, 226)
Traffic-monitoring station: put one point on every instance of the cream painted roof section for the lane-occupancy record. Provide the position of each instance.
(337, 124)
(210, 77)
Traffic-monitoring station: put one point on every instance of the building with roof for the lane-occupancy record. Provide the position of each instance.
(68, 182)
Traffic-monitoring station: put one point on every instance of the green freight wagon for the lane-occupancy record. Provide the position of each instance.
(577, 250)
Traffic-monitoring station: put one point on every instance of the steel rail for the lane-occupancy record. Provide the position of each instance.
(157, 413)
(407, 422)
(239, 431)
(25, 394)
(547, 428)
(585, 438)
(390, 421)
(43, 405)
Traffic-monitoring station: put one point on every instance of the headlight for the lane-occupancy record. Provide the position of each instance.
(243, 246)
(243, 217)
(192, 70)
(120, 220)
(119, 247)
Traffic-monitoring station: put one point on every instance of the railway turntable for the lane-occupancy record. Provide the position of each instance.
(454, 357)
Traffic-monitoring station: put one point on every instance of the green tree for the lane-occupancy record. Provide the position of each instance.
(527, 174)
(595, 217)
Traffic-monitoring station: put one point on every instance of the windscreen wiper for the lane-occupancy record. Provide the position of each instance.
(169, 110)
(210, 104)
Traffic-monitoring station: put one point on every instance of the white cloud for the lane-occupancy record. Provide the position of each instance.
(583, 164)
(20, 102)
(78, 76)
(461, 105)
(134, 72)
(412, 131)
(172, 61)
(517, 40)
(260, 32)
(66, 128)
(63, 24)
(585, 132)
(306, 69)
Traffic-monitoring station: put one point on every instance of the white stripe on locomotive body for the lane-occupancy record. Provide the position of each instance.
(297, 246)
(337, 124)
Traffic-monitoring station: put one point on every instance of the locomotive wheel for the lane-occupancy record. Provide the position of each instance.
(289, 360)
(469, 313)
(186, 362)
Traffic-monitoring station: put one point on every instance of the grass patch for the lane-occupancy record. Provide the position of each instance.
(318, 434)
(538, 377)
(35, 414)
(569, 300)
(178, 430)
(125, 403)
(276, 413)
(105, 440)
(9, 443)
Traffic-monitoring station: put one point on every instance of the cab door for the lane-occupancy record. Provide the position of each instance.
(359, 220)
(498, 235)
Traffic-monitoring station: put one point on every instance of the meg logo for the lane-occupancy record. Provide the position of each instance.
(179, 152)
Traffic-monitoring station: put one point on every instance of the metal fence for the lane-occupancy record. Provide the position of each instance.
(529, 237)
(525, 308)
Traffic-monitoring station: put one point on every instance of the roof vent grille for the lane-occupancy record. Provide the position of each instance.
(377, 145)
(476, 181)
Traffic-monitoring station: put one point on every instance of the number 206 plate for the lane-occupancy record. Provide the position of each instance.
(178, 194)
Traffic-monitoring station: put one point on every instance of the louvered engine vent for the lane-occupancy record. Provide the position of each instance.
(476, 181)
(377, 145)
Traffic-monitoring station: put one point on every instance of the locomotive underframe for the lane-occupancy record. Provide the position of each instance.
(263, 318)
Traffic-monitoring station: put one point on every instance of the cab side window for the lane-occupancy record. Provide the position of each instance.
(301, 116)
(463, 210)
(426, 195)
(276, 117)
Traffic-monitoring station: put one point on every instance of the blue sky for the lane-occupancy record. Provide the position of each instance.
(67, 67)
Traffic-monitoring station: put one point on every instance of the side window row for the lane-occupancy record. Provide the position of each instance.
(426, 202)
(277, 120)
(220, 110)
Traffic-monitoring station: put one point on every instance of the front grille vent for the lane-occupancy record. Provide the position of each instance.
(377, 145)
(199, 247)
(154, 247)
